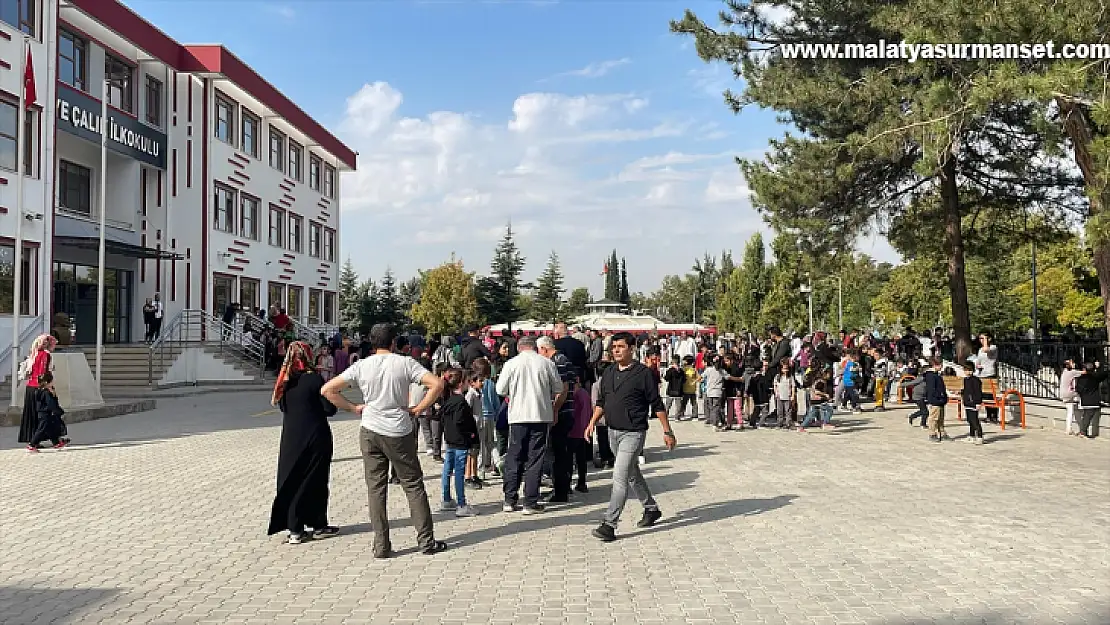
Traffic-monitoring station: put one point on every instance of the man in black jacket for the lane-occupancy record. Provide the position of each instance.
(627, 398)
(471, 348)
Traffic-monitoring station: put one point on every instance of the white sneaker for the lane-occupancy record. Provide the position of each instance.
(970, 439)
(467, 510)
(447, 506)
(642, 461)
(429, 452)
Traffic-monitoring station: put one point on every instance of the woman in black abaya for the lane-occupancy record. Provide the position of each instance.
(304, 463)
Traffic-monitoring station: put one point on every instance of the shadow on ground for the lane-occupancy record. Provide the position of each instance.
(24, 606)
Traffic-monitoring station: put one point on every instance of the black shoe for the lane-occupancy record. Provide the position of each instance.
(475, 483)
(649, 518)
(436, 547)
(534, 508)
(582, 488)
(599, 463)
(326, 532)
(394, 480)
(561, 498)
(383, 555)
(604, 533)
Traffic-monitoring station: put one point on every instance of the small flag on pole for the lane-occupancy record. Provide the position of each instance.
(605, 269)
(29, 94)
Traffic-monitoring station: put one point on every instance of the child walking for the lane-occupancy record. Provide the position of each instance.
(689, 389)
(784, 394)
(759, 389)
(972, 396)
(473, 397)
(488, 455)
(714, 394)
(460, 432)
(50, 425)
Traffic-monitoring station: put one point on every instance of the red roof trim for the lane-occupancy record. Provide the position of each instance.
(211, 58)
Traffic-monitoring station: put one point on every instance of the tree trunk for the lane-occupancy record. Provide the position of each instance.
(1081, 131)
(954, 250)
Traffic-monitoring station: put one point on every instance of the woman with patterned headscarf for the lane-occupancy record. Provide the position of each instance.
(304, 462)
(37, 363)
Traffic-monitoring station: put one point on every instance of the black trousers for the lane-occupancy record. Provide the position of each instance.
(973, 422)
(581, 450)
(604, 449)
(524, 462)
(1088, 419)
(561, 468)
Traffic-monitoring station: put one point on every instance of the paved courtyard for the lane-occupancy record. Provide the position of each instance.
(161, 517)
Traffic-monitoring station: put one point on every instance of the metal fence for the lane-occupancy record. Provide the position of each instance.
(1035, 366)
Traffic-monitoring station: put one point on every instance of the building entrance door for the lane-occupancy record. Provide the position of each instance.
(75, 289)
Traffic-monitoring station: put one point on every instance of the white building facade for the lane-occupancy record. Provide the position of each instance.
(219, 188)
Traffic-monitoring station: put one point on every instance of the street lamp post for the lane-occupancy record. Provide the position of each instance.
(807, 290)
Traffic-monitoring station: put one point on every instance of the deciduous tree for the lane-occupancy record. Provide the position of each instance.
(447, 301)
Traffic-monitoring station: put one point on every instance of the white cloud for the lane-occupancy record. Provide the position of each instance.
(283, 11)
(594, 70)
(578, 174)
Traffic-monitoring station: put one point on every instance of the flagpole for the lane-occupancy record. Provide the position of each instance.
(20, 138)
(103, 213)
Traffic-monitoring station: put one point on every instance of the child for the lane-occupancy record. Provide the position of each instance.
(675, 379)
(460, 431)
(818, 406)
(881, 371)
(759, 389)
(1086, 386)
(734, 382)
(784, 394)
(689, 389)
(936, 397)
(488, 455)
(714, 393)
(473, 397)
(973, 402)
(581, 448)
(50, 425)
(850, 381)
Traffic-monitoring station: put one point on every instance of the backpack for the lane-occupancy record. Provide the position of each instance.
(502, 420)
(25, 368)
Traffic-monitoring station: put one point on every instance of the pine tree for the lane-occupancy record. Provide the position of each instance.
(389, 305)
(367, 306)
(624, 283)
(505, 270)
(408, 295)
(548, 301)
(348, 297)
(612, 279)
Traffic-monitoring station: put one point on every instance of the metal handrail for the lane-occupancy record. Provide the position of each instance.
(192, 327)
(6, 354)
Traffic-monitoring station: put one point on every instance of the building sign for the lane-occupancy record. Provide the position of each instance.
(79, 114)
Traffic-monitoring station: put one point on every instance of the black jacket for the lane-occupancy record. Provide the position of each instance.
(628, 398)
(780, 351)
(935, 393)
(973, 391)
(460, 430)
(471, 349)
(675, 378)
(759, 388)
(1086, 386)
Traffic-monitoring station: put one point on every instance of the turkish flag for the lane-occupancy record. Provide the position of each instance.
(29, 95)
(605, 269)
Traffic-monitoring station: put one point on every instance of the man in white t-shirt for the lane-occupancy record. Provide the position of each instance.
(387, 434)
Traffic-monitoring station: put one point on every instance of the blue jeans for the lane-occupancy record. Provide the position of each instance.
(824, 410)
(454, 461)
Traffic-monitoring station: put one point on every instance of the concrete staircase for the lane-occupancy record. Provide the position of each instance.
(127, 367)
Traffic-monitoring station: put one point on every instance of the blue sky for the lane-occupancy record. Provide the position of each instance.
(586, 122)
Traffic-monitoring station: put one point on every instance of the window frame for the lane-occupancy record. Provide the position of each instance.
(315, 239)
(256, 124)
(328, 247)
(231, 107)
(315, 168)
(249, 307)
(328, 306)
(298, 150)
(30, 281)
(244, 198)
(129, 95)
(295, 243)
(153, 114)
(229, 208)
(280, 223)
(329, 181)
(64, 187)
(80, 70)
(274, 133)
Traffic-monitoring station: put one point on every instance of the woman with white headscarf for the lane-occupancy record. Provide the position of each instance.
(37, 363)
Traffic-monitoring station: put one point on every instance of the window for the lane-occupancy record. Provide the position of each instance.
(9, 141)
(314, 173)
(224, 215)
(248, 295)
(20, 14)
(7, 279)
(277, 227)
(225, 120)
(153, 101)
(222, 289)
(72, 59)
(74, 188)
(329, 181)
(277, 149)
(250, 134)
(275, 295)
(293, 307)
(329, 308)
(118, 74)
(314, 232)
(248, 217)
(329, 245)
(296, 156)
(296, 229)
(314, 306)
